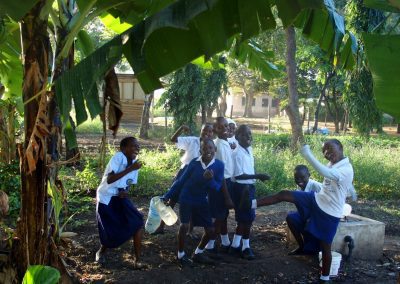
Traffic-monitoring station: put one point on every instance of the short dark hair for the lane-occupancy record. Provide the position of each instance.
(207, 140)
(300, 168)
(124, 142)
(336, 142)
(241, 128)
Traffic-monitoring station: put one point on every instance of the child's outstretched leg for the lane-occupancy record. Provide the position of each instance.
(137, 244)
(284, 195)
(199, 256)
(182, 257)
(326, 261)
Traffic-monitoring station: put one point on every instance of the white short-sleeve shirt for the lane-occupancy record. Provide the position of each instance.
(224, 154)
(312, 186)
(332, 196)
(243, 160)
(232, 140)
(191, 146)
(117, 164)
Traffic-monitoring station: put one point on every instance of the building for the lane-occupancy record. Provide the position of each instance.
(132, 98)
(261, 102)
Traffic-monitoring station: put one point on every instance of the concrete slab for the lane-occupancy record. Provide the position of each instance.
(368, 236)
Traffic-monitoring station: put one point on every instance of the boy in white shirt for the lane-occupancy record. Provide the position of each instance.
(308, 244)
(243, 192)
(231, 137)
(322, 210)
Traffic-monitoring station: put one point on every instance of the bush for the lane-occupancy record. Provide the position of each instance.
(10, 183)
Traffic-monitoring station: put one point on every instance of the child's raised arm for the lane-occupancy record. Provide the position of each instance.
(182, 128)
(330, 173)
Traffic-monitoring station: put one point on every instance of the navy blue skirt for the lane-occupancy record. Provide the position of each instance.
(118, 221)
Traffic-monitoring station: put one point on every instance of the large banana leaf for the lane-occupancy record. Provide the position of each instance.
(16, 9)
(385, 5)
(384, 62)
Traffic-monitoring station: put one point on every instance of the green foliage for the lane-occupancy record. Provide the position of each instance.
(88, 178)
(10, 183)
(40, 274)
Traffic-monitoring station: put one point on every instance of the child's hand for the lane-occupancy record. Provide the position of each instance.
(233, 146)
(185, 128)
(123, 194)
(263, 177)
(135, 166)
(208, 174)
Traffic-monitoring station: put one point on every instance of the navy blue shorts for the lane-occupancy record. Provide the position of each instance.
(311, 244)
(199, 214)
(216, 201)
(175, 197)
(318, 223)
(247, 215)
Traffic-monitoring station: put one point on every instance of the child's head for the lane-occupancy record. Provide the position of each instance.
(232, 127)
(206, 131)
(243, 136)
(221, 128)
(333, 150)
(130, 147)
(301, 176)
(207, 149)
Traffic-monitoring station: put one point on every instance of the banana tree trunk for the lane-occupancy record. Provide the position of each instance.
(293, 107)
(31, 243)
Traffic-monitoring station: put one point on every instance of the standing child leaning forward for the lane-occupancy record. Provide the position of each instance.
(118, 219)
(322, 210)
(243, 192)
(202, 176)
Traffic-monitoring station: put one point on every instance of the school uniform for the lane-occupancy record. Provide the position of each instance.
(243, 190)
(232, 140)
(194, 188)
(117, 218)
(191, 146)
(323, 210)
(311, 244)
(216, 199)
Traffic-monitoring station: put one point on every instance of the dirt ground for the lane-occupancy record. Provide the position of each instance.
(268, 240)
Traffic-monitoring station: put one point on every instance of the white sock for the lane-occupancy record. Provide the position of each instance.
(246, 244)
(210, 244)
(236, 241)
(326, 278)
(225, 240)
(197, 251)
(180, 254)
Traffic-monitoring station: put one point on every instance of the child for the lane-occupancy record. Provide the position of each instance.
(322, 210)
(117, 218)
(220, 201)
(308, 244)
(243, 192)
(191, 146)
(231, 137)
(202, 176)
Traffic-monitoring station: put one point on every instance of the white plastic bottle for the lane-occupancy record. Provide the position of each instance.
(166, 213)
(153, 218)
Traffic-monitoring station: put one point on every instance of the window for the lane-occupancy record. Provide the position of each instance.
(243, 101)
(254, 102)
(275, 103)
(264, 103)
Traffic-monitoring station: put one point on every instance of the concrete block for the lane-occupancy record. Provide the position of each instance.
(368, 236)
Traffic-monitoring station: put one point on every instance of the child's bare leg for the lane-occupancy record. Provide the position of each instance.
(137, 244)
(297, 235)
(326, 259)
(283, 195)
(183, 228)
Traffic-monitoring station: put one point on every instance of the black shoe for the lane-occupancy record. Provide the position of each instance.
(213, 253)
(185, 262)
(248, 254)
(202, 259)
(245, 202)
(224, 249)
(235, 251)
